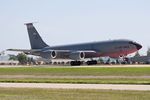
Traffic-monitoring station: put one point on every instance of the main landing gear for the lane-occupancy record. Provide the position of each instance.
(78, 63)
(92, 62)
(75, 63)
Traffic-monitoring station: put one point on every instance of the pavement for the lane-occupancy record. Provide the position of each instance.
(66, 66)
(77, 86)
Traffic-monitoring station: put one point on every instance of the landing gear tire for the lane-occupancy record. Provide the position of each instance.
(93, 62)
(75, 63)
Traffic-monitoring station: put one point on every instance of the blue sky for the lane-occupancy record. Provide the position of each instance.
(74, 21)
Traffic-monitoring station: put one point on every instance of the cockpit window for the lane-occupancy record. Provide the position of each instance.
(131, 42)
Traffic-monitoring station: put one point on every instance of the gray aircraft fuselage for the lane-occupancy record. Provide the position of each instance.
(111, 48)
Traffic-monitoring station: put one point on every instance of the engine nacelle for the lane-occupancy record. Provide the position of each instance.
(48, 54)
(53, 54)
(59, 54)
(77, 55)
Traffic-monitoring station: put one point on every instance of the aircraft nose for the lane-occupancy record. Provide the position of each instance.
(138, 46)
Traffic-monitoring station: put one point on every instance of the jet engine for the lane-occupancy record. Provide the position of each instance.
(59, 54)
(48, 54)
(53, 54)
(77, 55)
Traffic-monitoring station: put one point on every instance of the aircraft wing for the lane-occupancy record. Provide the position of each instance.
(59, 54)
(69, 54)
(26, 51)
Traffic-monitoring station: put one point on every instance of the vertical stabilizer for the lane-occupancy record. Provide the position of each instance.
(34, 37)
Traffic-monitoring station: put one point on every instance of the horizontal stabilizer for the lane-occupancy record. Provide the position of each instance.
(26, 51)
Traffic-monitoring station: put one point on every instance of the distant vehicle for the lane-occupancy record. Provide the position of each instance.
(141, 59)
(78, 52)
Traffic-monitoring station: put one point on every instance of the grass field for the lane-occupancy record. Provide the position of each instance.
(64, 94)
(76, 75)
(89, 71)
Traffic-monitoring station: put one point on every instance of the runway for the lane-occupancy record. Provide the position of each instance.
(76, 86)
(66, 66)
